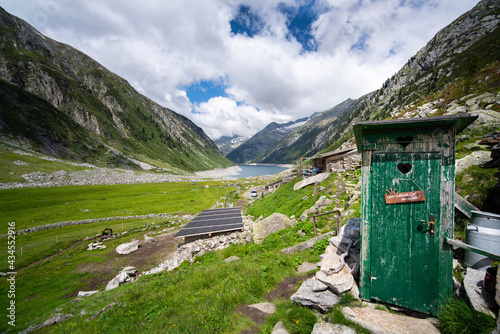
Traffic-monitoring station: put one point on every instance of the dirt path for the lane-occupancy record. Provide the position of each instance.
(148, 256)
(284, 290)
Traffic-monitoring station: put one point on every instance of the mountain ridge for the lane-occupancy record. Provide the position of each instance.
(257, 146)
(451, 66)
(107, 108)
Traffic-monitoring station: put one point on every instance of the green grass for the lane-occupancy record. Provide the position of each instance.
(297, 319)
(32, 247)
(198, 298)
(30, 207)
(478, 184)
(10, 172)
(457, 317)
(44, 286)
(287, 201)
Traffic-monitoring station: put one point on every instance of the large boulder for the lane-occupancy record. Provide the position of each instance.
(480, 299)
(383, 322)
(311, 180)
(274, 223)
(128, 247)
(322, 300)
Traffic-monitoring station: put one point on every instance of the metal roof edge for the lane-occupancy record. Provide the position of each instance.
(458, 121)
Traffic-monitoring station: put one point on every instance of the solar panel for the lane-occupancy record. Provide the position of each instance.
(213, 221)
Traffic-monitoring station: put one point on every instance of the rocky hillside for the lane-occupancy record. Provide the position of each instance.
(257, 147)
(457, 71)
(61, 102)
(307, 139)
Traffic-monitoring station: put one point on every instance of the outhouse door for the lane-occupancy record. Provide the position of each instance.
(404, 254)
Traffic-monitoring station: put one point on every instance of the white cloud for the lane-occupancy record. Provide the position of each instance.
(223, 116)
(160, 47)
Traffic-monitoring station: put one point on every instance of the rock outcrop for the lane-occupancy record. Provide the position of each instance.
(269, 225)
(336, 271)
(189, 251)
(322, 300)
(128, 247)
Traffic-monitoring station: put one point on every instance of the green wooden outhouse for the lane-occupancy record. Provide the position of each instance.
(407, 207)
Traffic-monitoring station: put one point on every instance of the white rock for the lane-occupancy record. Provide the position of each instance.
(305, 267)
(131, 271)
(323, 300)
(383, 322)
(329, 328)
(267, 308)
(271, 224)
(231, 259)
(339, 282)
(87, 293)
(128, 247)
(279, 328)
(117, 281)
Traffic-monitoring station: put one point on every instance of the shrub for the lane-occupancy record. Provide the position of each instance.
(321, 245)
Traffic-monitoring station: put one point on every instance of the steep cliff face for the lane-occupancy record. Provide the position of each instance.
(103, 104)
(453, 73)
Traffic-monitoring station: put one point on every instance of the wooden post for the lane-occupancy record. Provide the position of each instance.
(314, 224)
(315, 188)
(300, 168)
(340, 188)
(338, 222)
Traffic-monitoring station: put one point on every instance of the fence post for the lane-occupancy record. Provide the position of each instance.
(338, 222)
(314, 224)
(340, 188)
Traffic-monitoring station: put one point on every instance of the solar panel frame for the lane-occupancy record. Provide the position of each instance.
(213, 221)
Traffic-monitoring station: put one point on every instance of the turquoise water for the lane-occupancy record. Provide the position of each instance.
(256, 170)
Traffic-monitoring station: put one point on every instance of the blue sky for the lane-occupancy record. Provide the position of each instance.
(234, 66)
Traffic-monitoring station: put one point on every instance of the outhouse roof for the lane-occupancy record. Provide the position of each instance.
(459, 122)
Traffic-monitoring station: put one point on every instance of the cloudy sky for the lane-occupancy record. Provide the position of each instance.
(233, 66)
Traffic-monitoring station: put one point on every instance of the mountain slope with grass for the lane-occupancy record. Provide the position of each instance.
(61, 102)
(457, 66)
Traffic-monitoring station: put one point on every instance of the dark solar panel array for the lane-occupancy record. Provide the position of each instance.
(213, 221)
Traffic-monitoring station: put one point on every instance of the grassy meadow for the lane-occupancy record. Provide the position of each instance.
(29, 207)
(202, 297)
(51, 260)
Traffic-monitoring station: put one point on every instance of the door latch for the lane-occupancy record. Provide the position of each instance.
(431, 223)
